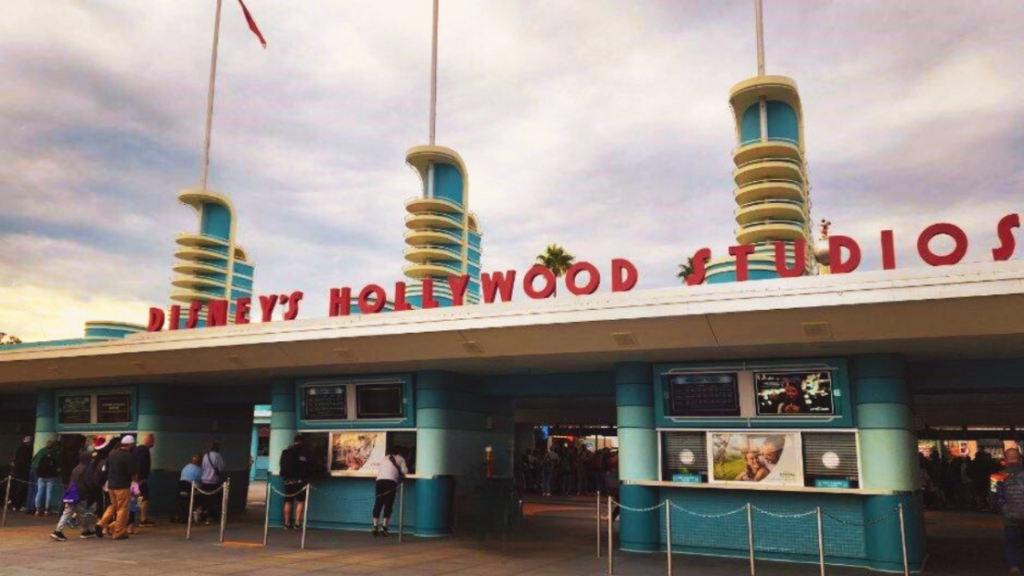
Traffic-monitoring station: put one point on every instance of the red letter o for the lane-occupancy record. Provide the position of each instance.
(933, 259)
(549, 280)
(379, 299)
(590, 287)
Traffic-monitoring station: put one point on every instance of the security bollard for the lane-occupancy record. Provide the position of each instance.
(821, 543)
(599, 524)
(7, 501)
(225, 489)
(903, 541)
(750, 537)
(266, 519)
(191, 503)
(401, 511)
(305, 516)
(668, 534)
(611, 566)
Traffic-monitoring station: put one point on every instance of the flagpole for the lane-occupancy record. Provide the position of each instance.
(209, 97)
(433, 78)
(759, 18)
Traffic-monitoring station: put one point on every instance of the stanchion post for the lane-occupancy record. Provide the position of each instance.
(266, 518)
(903, 541)
(401, 511)
(611, 566)
(225, 489)
(191, 503)
(821, 543)
(598, 523)
(305, 515)
(7, 500)
(750, 537)
(668, 535)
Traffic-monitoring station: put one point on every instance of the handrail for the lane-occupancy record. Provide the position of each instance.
(769, 222)
(799, 164)
(193, 279)
(451, 218)
(799, 203)
(431, 263)
(448, 249)
(455, 237)
(749, 143)
(216, 267)
(442, 200)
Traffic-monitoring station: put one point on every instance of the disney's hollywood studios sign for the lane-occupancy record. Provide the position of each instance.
(841, 253)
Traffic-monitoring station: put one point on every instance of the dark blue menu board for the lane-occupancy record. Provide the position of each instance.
(113, 408)
(325, 403)
(702, 394)
(75, 409)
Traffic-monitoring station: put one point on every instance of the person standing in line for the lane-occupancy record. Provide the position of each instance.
(213, 478)
(1009, 500)
(21, 463)
(392, 470)
(144, 464)
(47, 467)
(120, 474)
(191, 474)
(75, 502)
(90, 485)
(294, 467)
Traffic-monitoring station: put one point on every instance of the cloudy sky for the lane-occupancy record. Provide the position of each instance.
(600, 125)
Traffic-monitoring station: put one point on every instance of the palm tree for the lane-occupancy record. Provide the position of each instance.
(685, 270)
(8, 339)
(556, 259)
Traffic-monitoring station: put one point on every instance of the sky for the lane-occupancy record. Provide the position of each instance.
(603, 126)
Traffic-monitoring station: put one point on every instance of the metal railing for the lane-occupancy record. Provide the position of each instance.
(455, 237)
(819, 513)
(454, 219)
(798, 164)
(225, 490)
(457, 253)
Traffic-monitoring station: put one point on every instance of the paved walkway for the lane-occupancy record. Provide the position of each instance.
(558, 539)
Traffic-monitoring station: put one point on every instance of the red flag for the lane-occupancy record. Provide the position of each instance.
(252, 24)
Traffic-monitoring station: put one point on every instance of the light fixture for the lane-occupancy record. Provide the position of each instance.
(625, 339)
(830, 460)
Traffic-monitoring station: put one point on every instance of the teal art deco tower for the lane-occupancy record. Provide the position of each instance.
(443, 236)
(209, 264)
(772, 191)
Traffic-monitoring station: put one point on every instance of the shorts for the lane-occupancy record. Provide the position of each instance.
(293, 490)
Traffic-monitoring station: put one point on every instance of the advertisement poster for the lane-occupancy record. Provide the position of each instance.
(357, 452)
(794, 393)
(761, 457)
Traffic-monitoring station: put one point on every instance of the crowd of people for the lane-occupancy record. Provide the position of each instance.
(567, 470)
(957, 483)
(105, 490)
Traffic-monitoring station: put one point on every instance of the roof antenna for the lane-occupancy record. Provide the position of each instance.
(758, 15)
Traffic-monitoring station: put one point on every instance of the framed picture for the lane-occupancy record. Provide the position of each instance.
(359, 453)
(794, 393)
(767, 457)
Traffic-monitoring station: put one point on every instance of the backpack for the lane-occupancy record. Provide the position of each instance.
(401, 475)
(95, 475)
(1013, 497)
(290, 463)
(47, 467)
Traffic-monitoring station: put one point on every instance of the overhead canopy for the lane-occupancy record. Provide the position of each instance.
(971, 311)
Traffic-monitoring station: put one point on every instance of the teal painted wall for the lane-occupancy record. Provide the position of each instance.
(215, 221)
(782, 122)
(448, 183)
(750, 124)
(730, 276)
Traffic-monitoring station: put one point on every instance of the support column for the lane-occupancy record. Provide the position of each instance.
(46, 423)
(888, 452)
(435, 438)
(638, 455)
(283, 427)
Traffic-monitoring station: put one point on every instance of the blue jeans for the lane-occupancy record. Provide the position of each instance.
(30, 502)
(545, 478)
(44, 494)
(1014, 546)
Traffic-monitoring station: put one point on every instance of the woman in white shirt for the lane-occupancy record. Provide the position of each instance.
(392, 470)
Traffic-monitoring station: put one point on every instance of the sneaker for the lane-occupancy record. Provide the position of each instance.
(99, 534)
(384, 532)
(59, 537)
(376, 531)
(47, 513)
(121, 537)
(87, 534)
(39, 512)
(147, 524)
(288, 527)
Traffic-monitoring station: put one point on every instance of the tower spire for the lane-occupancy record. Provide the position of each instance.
(433, 78)
(759, 18)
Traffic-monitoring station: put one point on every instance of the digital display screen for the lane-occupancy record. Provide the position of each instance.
(325, 403)
(75, 409)
(379, 401)
(702, 394)
(794, 393)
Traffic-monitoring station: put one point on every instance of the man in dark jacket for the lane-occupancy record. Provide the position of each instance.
(121, 472)
(21, 463)
(294, 469)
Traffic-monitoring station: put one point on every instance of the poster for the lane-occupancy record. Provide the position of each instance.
(113, 408)
(75, 409)
(360, 452)
(794, 393)
(758, 457)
